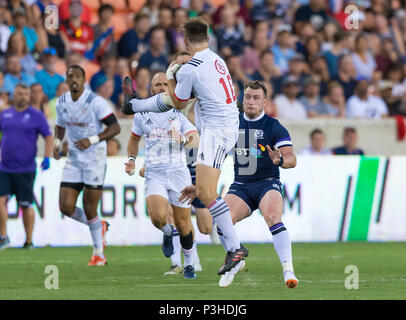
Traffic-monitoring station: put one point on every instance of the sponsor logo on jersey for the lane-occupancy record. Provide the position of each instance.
(149, 121)
(256, 150)
(202, 156)
(259, 134)
(220, 67)
(26, 117)
(170, 119)
(241, 131)
(276, 186)
(8, 115)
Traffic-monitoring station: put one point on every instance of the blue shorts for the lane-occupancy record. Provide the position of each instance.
(253, 192)
(19, 184)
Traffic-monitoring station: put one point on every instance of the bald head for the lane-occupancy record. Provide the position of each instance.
(159, 83)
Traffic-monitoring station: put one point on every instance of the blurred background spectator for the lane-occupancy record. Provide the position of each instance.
(350, 140)
(317, 144)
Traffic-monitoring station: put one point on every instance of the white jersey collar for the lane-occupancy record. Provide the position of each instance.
(255, 119)
(202, 52)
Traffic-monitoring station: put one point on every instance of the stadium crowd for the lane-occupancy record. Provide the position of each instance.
(315, 59)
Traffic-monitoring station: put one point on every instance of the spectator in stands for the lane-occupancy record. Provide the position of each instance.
(4, 99)
(142, 80)
(317, 144)
(54, 39)
(5, 32)
(365, 105)
(289, 107)
(350, 140)
(396, 104)
(76, 33)
(65, 13)
(230, 37)
(15, 75)
(179, 18)
(297, 70)
(20, 24)
(394, 74)
(135, 41)
(155, 59)
(386, 56)
(206, 17)
(314, 12)
(105, 88)
(113, 147)
(311, 100)
(122, 68)
(270, 107)
(151, 8)
(312, 48)
(165, 21)
(60, 90)
(108, 66)
(363, 60)
(339, 45)
(267, 70)
(307, 31)
(319, 70)
(335, 100)
(17, 46)
(259, 44)
(38, 100)
(283, 51)
(240, 12)
(105, 14)
(47, 77)
(345, 75)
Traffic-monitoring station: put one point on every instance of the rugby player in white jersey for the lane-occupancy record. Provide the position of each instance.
(166, 174)
(207, 77)
(81, 114)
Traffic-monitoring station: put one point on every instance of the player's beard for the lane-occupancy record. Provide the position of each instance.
(22, 104)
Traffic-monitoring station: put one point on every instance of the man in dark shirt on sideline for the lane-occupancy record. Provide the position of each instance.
(155, 59)
(350, 139)
(20, 126)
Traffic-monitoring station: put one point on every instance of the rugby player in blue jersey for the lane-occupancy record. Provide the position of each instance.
(263, 146)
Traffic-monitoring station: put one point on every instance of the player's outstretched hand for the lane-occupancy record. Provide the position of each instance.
(188, 194)
(142, 172)
(275, 154)
(130, 167)
(82, 144)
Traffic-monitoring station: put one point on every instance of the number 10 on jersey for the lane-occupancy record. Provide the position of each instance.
(230, 98)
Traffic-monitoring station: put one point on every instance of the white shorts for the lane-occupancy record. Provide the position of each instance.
(168, 183)
(90, 173)
(215, 144)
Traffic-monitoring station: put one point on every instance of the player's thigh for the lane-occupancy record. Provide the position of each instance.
(157, 207)
(177, 180)
(68, 196)
(239, 209)
(206, 183)
(271, 206)
(182, 219)
(204, 220)
(91, 198)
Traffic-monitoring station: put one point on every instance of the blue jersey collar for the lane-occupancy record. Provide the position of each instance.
(255, 119)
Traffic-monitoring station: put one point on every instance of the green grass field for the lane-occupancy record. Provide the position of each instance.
(137, 273)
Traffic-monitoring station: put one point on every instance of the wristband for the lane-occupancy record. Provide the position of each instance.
(94, 139)
(57, 143)
(131, 158)
(280, 162)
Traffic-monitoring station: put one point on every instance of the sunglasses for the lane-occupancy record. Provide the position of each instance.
(51, 51)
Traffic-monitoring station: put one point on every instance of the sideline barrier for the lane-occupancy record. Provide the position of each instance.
(327, 199)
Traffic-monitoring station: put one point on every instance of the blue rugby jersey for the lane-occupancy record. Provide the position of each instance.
(251, 159)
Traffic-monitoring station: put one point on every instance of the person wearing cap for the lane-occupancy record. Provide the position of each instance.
(289, 107)
(315, 12)
(350, 140)
(47, 77)
(311, 99)
(297, 70)
(20, 24)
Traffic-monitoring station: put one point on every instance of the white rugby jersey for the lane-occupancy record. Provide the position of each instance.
(207, 76)
(83, 118)
(161, 149)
